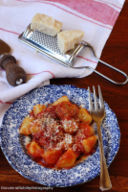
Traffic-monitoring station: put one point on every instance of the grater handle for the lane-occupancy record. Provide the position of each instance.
(109, 79)
(104, 76)
(86, 44)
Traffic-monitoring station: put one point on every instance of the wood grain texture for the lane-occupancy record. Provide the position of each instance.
(116, 53)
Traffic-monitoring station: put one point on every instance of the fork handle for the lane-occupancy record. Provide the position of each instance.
(105, 182)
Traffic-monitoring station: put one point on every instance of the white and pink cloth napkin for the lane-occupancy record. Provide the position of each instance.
(95, 17)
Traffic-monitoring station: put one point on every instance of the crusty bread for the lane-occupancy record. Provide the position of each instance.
(46, 24)
(68, 39)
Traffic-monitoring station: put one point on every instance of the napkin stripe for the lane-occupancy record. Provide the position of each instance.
(8, 31)
(87, 59)
(2, 102)
(92, 10)
(38, 73)
(109, 3)
(65, 10)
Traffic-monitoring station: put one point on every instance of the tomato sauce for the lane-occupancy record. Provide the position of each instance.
(58, 131)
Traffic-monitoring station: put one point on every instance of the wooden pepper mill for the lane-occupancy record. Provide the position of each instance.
(14, 73)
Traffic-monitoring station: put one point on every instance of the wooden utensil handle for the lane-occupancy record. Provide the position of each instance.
(14, 73)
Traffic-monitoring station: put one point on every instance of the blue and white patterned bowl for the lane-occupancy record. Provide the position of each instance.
(21, 162)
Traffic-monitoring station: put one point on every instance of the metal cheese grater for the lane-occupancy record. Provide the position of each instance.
(47, 45)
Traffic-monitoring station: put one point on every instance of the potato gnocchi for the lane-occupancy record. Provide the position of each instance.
(61, 134)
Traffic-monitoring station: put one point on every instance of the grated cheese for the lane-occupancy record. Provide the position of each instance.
(70, 126)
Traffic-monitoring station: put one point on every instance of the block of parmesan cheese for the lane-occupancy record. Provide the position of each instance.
(46, 24)
(68, 39)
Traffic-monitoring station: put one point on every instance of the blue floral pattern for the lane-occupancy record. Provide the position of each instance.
(21, 162)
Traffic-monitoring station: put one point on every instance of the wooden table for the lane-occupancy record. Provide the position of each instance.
(116, 53)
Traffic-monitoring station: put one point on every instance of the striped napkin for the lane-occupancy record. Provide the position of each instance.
(95, 17)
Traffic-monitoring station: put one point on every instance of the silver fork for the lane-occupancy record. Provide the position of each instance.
(97, 111)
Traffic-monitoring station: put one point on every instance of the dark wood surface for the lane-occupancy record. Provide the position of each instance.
(116, 53)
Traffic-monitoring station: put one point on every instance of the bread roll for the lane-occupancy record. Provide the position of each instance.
(68, 39)
(46, 24)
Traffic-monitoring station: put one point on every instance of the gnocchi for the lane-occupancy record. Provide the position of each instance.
(61, 134)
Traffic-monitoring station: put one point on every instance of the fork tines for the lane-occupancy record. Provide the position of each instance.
(98, 102)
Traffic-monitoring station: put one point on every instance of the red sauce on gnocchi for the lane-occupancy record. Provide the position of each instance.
(61, 134)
